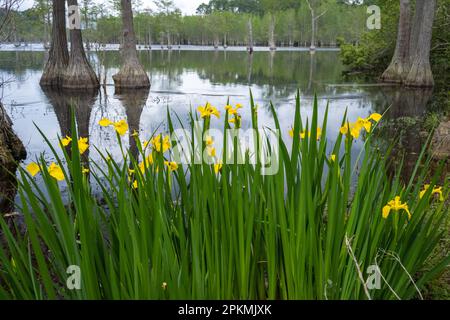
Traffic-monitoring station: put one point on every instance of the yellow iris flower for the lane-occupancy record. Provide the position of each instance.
(161, 146)
(105, 122)
(121, 126)
(211, 151)
(209, 141)
(354, 129)
(66, 141)
(33, 168)
(146, 163)
(395, 205)
(217, 167)
(208, 110)
(236, 120)
(83, 145)
(436, 190)
(135, 134)
(173, 166)
(303, 134)
(56, 172)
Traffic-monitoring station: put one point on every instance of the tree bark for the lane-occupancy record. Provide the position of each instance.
(415, 30)
(79, 73)
(420, 74)
(272, 44)
(12, 150)
(313, 30)
(132, 74)
(59, 54)
(400, 64)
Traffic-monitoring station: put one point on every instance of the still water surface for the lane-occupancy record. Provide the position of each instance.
(183, 80)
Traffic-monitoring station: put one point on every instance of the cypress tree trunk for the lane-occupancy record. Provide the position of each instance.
(79, 73)
(250, 35)
(132, 74)
(272, 44)
(415, 30)
(12, 151)
(420, 74)
(216, 41)
(59, 54)
(400, 64)
(169, 41)
(134, 102)
(313, 31)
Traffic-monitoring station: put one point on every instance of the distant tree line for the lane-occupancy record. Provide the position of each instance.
(218, 23)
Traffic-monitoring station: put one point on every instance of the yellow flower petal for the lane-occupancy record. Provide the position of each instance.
(105, 122)
(56, 172)
(209, 141)
(173, 166)
(121, 127)
(291, 133)
(217, 167)
(83, 145)
(375, 117)
(33, 168)
(66, 141)
(386, 211)
(211, 151)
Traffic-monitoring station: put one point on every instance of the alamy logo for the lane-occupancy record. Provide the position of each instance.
(74, 280)
(374, 280)
(374, 21)
(74, 18)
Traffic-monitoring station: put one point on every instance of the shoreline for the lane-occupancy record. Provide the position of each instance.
(39, 47)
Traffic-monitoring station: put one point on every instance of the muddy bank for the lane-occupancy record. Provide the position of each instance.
(12, 151)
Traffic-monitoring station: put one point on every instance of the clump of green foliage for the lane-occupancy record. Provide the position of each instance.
(226, 231)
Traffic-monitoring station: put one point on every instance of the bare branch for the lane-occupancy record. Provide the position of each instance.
(358, 268)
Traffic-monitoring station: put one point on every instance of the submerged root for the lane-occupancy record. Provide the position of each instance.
(80, 76)
(131, 76)
(420, 75)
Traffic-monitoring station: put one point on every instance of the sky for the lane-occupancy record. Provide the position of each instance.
(186, 6)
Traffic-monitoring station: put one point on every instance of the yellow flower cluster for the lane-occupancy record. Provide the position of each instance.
(234, 112)
(397, 205)
(54, 170)
(436, 190)
(208, 110)
(303, 134)
(354, 129)
(209, 146)
(83, 144)
(159, 144)
(121, 126)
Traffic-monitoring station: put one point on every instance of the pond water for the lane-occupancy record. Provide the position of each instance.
(181, 81)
